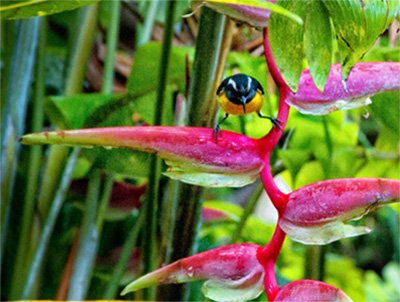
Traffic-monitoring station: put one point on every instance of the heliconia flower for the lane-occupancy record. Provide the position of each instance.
(310, 290)
(315, 214)
(364, 80)
(191, 153)
(233, 273)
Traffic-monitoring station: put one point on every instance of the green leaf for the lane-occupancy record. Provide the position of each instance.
(286, 38)
(62, 109)
(145, 70)
(318, 42)
(32, 8)
(294, 159)
(358, 24)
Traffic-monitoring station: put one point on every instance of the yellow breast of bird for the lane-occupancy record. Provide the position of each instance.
(231, 108)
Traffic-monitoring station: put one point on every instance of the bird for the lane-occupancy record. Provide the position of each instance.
(240, 94)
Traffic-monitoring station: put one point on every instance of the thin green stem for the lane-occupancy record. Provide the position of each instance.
(48, 227)
(151, 206)
(112, 40)
(105, 197)
(74, 81)
(202, 90)
(315, 262)
(202, 110)
(329, 146)
(95, 209)
(248, 210)
(88, 242)
(168, 218)
(81, 54)
(24, 242)
(144, 31)
(113, 284)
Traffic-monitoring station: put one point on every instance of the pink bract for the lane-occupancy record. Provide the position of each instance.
(314, 214)
(310, 291)
(364, 80)
(233, 273)
(191, 153)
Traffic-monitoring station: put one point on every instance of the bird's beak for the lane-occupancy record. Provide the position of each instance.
(243, 99)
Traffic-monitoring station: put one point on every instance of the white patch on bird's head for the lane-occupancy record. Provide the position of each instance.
(248, 84)
(232, 83)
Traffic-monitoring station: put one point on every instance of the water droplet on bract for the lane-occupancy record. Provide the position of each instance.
(107, 147)
(190, 271)
(41, 13)
(202, 140)
(235, 146)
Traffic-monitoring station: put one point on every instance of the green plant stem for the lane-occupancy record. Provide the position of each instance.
(95, 209)
(88, 242)
(152, 202)
(74, 81)
(36, 264)
(201, 102)
(24, 243)
(315, 262)
(248, 210)
(329, 146)
(168, 218)
(144, 31)
(130, 242)
(105, 197)
(18, 85)
(112, 40)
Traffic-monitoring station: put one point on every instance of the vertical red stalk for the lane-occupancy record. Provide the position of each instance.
(268, 255)
(270, 141)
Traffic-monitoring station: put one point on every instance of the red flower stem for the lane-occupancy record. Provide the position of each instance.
(267, 256)
(278, 198)
(270, 141)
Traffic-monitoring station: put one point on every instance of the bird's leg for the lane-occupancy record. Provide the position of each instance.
(216, 127)
(273, 120)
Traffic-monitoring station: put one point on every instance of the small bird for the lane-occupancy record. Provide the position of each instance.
(241, 94)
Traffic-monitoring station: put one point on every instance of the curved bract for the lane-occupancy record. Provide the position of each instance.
(191, 153)
(233, 273)
(311, 290)
(315, 213)
(364, 80)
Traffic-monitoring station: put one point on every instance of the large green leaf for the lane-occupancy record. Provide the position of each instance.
(286, 38)
(358, 24)
(145, 71)
(318, 42)
(32, 8)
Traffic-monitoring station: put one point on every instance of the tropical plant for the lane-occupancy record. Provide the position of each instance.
(333, 169)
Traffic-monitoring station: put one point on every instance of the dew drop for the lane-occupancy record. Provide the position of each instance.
(41, 13)
(235, 146)
(202, 140)
(107, 147)
(190, 271)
